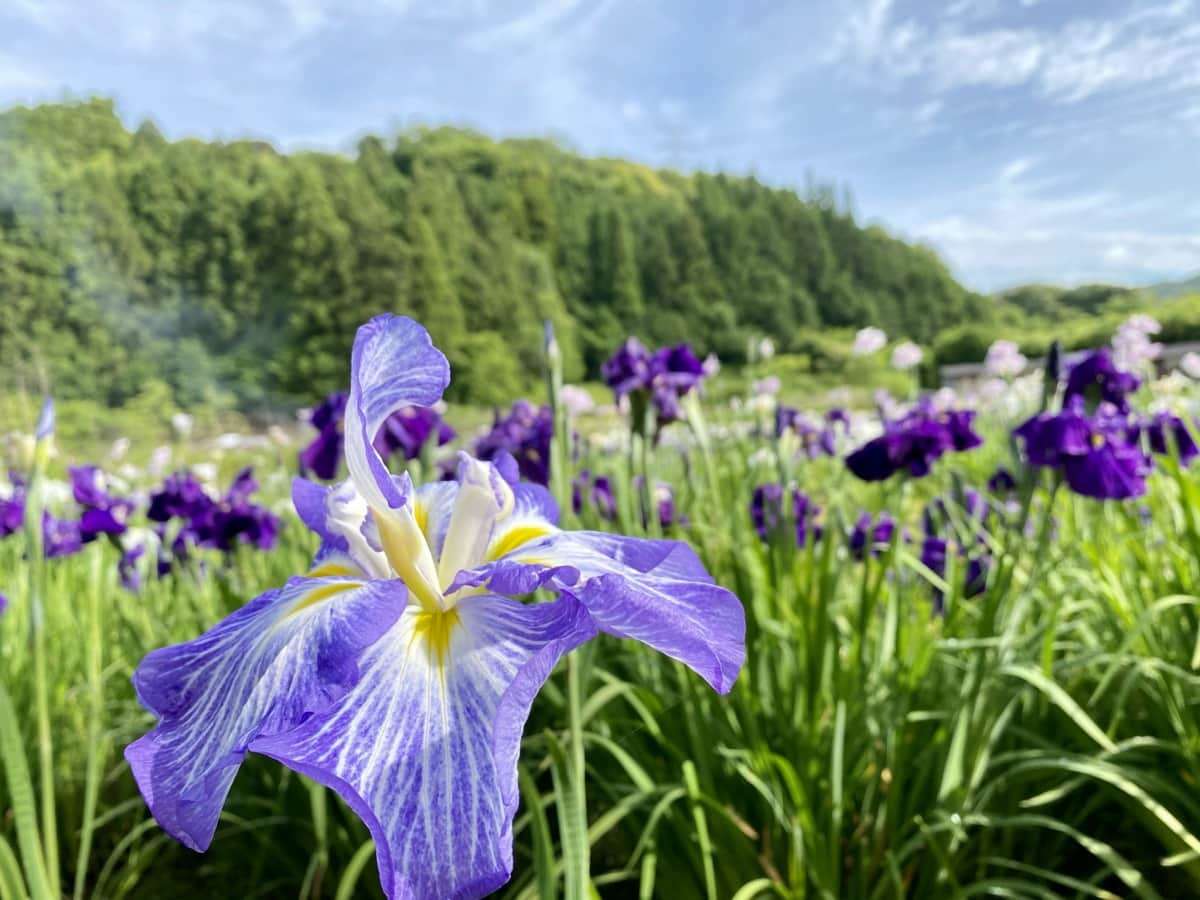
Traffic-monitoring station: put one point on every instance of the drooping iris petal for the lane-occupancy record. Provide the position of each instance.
(393, 364)
(286, 654)
(424, 748)
(657, 592)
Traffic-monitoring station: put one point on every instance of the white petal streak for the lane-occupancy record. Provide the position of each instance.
(425, 746)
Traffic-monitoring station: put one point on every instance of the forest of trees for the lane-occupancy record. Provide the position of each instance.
(232, 270)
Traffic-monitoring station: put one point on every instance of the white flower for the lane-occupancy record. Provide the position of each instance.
(206, 472)
(762, 404)
(905, 355)
(766, 348)
(278, 436)
(159, 460)
(1005, 360)
(1140, 322)
(761, 457)
(869, 340)
(769, 385)
(944, 398)
(1132, 348)
(1189, 365)
(711, 365)
(118, 449)
(577, 401)
(182, 423)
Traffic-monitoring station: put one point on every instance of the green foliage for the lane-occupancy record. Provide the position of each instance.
(234, 272)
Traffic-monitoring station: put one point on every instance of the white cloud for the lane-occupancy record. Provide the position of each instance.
(1016, 169)
(1156, 44)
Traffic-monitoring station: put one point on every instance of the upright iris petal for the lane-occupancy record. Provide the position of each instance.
(401, 669)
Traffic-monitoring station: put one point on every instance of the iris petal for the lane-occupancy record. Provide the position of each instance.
(657, 592)
(424, 748)
(286, 654)
(394, 364)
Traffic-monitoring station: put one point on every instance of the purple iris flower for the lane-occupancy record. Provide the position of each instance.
(3, 603)
(235, 519)
(1167, 433)
(766, 509)
(662, 500)
(400, 670)
(322, 456)
(60, 537)
(596, 491)
(218, 524)
(102, 513)
(1002, 481)
(1096, 379)
(913, 443)
(838, 416)
(978, 566)
(814, 439)
(628, 369)
(873, 533)
(180, 497)
(1094, 453)
(933, 557)
(12, 514)
(408, 430)
(524, 434)
(127, 569)
(664, 376)
(768, 513)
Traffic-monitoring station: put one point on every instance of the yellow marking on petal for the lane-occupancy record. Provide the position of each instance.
(326, 569)
(436, 628)
(408, 552)
(421, 514)
(515, 537)
(321, 593)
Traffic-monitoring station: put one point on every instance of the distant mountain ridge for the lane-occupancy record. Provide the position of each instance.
(1169, 289)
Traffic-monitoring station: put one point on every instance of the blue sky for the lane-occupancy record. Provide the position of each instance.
(1054, 140)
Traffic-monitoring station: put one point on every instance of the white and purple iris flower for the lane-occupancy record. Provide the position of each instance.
(401, 669)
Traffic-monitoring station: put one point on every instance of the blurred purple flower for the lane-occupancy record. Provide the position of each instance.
(60, 537)
(1094, 453)
(127, 570)
(406, 431)
(1002, 481)
(914, 442)
(525, 433)
(664, 376)
(1167, 433)
(876, 534)
(596, 491)
(102, 513)
(323, 455)
(1096, 379)
(768, 515)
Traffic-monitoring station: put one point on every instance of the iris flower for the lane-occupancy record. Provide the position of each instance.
(400, 670)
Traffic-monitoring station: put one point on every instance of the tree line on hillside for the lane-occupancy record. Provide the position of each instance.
(232, 270)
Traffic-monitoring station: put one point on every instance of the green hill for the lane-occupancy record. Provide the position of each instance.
(233, 271)
(1170, 289)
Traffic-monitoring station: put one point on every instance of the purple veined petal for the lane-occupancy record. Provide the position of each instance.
(657, 592)
(393, 364)
(287, 654)
(311, 501)
(424, 748)
(534, 501)
(433, 504)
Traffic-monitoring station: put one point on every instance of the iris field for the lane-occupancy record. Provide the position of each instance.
(972, 643)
